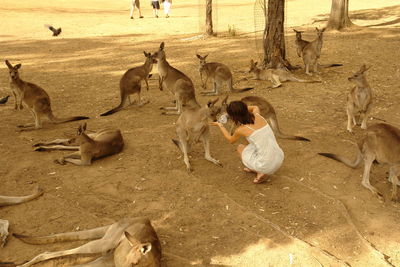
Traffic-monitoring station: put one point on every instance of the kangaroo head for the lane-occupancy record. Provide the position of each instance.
(202, 59)
(160, 54)
(359, 75)
(13, 70)
(212, 109)
(138, 252)
(149, 58)
(298, 34)
(253, 66)
(319, 32)
(80, 133)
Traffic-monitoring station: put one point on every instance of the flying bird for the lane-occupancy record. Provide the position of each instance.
(55, 31)
(4, 100)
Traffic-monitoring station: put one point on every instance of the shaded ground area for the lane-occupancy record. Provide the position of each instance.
(213, 216)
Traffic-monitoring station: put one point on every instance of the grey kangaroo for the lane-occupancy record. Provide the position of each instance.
(219, 74)
(381, 142)
(34, 98)
(359, 99)
(128, 242)
(131, 83)
(180, 85)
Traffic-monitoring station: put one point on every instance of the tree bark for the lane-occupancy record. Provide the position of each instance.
(209, 24)
(274, 36)
(339, 17)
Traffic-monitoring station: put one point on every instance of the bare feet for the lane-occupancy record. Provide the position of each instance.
(260, 178)
(247, 170)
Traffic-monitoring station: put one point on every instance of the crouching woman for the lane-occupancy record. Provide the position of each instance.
(262, 155)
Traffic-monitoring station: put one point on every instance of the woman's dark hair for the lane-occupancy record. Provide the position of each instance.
(238, 112)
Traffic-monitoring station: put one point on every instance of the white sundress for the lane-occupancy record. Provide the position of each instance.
(263, 153)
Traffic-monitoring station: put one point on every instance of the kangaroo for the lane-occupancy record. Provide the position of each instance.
(300, 43)
(175, 81)
(219, 74)
(93, 146)
(276, 76)
(381, 142)
(130, 83)
(268, 112)
(7, 201)
(35, 99)
(192, 126)
(312, 51)
(128, 242)
(359, 99)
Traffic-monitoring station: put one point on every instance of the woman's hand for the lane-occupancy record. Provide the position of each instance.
(216, 123)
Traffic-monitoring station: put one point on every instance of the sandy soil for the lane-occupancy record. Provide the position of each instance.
(213, 216)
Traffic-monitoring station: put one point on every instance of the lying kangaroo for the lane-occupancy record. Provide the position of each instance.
(92, 146)
(276, 76)
(128, 242)
(312, 51)
(381, 143)
(174, 80)
(268, 112)
(219, 74)
(300, 43)
(131, 83)
(7, 201)
(34, 98)
(192, 126)
(359, 99)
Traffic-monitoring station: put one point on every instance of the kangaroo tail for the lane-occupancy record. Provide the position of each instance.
(70, 236)
(347, 162)
(234, 90)
(273, 121)
(112, 111)
(7, 201)
(331, 65)
(61, 120)
(8, 264)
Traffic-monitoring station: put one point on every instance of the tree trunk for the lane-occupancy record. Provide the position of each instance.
(339, 17)
(274, 36)
(209, 24)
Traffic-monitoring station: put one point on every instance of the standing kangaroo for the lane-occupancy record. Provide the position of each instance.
(219, 74)
(8, 201)
(381, 142)
(276, 76)
(34, 98)
(131, 83)
(92, 146)
(312, 51)
(192, 126)
(128, 242)
(180, 85)
(300, 43)
(359, 99)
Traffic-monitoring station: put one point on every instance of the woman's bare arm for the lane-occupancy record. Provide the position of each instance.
(253, 109)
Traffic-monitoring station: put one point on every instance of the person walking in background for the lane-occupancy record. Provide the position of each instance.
(156, 6)
(137, 4)
(167, 6)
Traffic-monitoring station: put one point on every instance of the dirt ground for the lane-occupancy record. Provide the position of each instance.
(213, 216)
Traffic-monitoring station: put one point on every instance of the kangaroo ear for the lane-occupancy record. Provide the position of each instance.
(162, 46)
(323, 29)
(205, 56)
(145, 54)
(9, 64)
(84, 127)
(145, 248)
(225, 100)
(212, 103)
(316, 28)
(256, 63)
(18, 66)
(198, 56)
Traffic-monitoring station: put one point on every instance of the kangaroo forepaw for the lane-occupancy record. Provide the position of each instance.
(60, 161)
